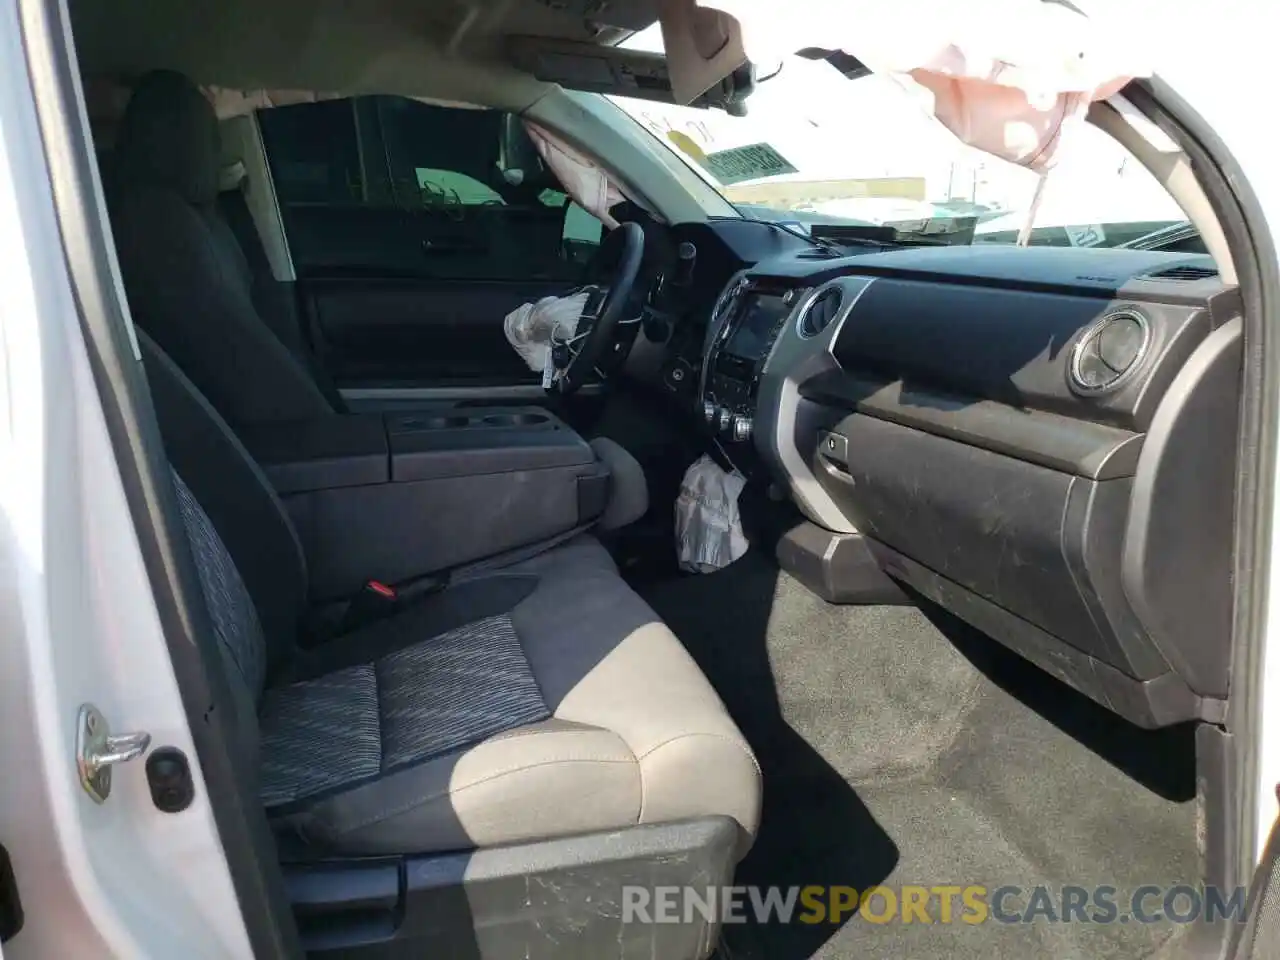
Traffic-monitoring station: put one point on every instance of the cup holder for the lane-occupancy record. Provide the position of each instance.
(462, 421)
(416, 424)
(515, 419)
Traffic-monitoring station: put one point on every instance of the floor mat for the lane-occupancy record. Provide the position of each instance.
(900, 747)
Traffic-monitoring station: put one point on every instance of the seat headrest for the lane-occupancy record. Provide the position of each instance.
(169, 138)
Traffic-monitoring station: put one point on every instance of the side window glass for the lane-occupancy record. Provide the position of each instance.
(554, 198)
(442, 191)
(440, 155)
(448, 186)
(581, 233)
(315, 155)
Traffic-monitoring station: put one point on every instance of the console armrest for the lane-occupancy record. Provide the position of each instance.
(485, 440)
(339, 451)
(410, 495)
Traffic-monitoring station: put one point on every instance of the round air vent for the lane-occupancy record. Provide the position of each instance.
(822, 309)
(1109, 352)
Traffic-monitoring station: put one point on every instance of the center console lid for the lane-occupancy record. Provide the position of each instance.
(407, 495)
(345, 451)
(359, 449)
(488, 440)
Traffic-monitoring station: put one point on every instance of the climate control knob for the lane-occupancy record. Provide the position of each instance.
(740, 429)
(724, 419)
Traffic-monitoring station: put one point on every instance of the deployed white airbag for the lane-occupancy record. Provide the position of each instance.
(581, 177)
(708, 526)
(1010, 77)
(532, 327)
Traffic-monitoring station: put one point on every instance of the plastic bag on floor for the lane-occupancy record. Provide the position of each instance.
(531, 327)
(708, 528)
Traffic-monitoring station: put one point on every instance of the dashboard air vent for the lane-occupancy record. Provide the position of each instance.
(1109, 352)
(1184, 272)
(817, 316)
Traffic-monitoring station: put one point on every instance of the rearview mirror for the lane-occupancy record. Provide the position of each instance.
(627, 73)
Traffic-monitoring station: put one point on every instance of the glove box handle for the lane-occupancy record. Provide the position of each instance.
(834, 447)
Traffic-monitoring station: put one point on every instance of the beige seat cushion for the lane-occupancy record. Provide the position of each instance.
(628, 731)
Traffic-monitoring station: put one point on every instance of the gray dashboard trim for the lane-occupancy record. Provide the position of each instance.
(1091, 450)
(781, 413)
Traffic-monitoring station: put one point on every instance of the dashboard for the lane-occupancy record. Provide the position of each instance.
(1040, 440)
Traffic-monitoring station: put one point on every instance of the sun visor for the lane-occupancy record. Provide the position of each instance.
(620, 71)
(703, 47)
(1010, 77)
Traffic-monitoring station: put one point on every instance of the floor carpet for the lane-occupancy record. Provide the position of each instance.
(900, 747)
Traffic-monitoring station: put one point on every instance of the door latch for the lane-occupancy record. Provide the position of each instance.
(97, 751)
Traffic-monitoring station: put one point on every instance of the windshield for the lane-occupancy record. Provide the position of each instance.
(816, 148)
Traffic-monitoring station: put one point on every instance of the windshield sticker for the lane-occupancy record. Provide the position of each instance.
(686, 145)
(751, 162)
(1086, 235)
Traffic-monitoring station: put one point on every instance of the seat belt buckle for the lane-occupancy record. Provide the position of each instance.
(380, 590)
(375, 601)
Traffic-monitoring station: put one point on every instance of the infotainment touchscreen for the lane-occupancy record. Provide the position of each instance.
(754, 325)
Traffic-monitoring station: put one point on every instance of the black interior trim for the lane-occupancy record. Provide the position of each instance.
(1015, 346)
(1156, 701)
(1179, 527)
(433, 903)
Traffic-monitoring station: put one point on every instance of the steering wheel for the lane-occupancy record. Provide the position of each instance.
(609, 322)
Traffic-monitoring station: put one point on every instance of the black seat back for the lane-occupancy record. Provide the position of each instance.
(187, 280)
(236, 496)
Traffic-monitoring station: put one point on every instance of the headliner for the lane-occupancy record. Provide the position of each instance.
(443, 49)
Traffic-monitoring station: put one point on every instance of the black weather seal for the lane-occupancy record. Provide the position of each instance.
(1254, 254)
(847, 64)
(11, 915)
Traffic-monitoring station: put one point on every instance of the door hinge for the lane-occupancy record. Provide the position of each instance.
(97, 751)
